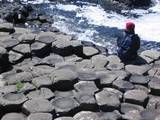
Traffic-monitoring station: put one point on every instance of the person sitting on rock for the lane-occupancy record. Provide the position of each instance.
(128, 44)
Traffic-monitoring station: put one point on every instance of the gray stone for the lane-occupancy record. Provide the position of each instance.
(115, 115)
(14, 116)
(141, 87)
(86, 87)
(6, 27)
(27, 38)
(40, 116)
(126, 107)
(37, 106)
(26, 87)
(149, 114)
(46, 39)
(139, 79)
(153, 54)
(154, 102)
(86, 115)
(137, 69)
(66, 65)
(8, 43)
(121, 74)
(154, 85)
(64, 118)
(42, 81)
(65, 106)
(85, 64)
(99, 61)
(15, 57)
(155, 72)
(90, 51)
(132, 115)
(8, 89)
(43, 93)
(107, 101)
(113, 59)
(87, 75)
(136, 97)
(73, 59)
(115, 66)
(22, 48)
(52, 60)
(64, 79)
(64, 94)
(123, 85)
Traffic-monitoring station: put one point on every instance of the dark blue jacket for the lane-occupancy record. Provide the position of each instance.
(128, 46)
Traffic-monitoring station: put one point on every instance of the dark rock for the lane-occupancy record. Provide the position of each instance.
(15, 57)
(86, 115)
(136, 97)
(65, 106)
(122, 85)
(137, 69)
(14, 116)
(52, 60)
(90, 51)
(107, 101)
(154, 85)
(40, 116)
(42, 81)
(38, 106)
(126, 107)
(12, 101)
(87, 75)
(6, 27)
(43, 93)
(64, 79)
(86, 87)
(86, 100)
(139, 79)
(64, 118)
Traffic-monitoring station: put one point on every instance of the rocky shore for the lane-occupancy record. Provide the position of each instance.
(51, 75)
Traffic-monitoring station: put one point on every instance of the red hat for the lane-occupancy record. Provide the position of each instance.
(130, 26)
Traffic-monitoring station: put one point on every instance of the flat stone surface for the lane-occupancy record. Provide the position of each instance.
(85, 64)
(132, 115)
(136, 97)
(37, 46)
(43, 93)
(126, 107)
(64, 94)
(86, 87)
(27, 38)
(14, 116)
(139, 79)
(115, 66)
(37, 106)
(153, 54)
(65, 105)
(115, 115)
(40, 116)
(64, 118)
(136, 69)
(8, 89)
(90, 51)
(46, 39)
(154, 85)
(22, 48)
(8, 43)
(107, 101)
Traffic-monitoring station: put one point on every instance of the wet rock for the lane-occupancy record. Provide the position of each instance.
(107, 101)
(106, 78)
(43, 93)
(86, 87)
(99, 61)
(126, 107)
(132, 115)
(6, 27)
(40, 116)
(42, 81)
(86, 100)
(115, 66)
(87, 75)
(153, 54)
(12, 101)
(123, 85)
(15, 57)
(136, 97)
(38, 106)
(64, 118)
(154, 85)
(136, 69)
(52, 60)
(64, 79)
(18, 77)
(139, 79)
(86, 115)
(27, 38)
(40, 49)
(65, 106)
(23, 49)
(90, 51)
(14, 116)
(115, 115)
